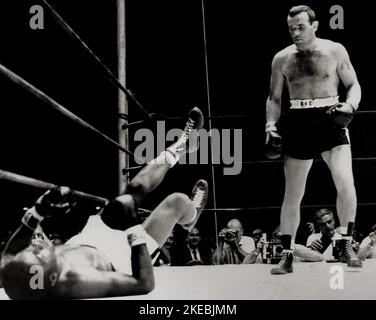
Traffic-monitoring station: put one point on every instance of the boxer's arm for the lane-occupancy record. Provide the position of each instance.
(53, 202)
(273, 102)
(92, 283)
(20, 239)
(348, 76)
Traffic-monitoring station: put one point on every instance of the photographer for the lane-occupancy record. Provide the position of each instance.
(256, 255)
(322, 241)
(233, 247)
(367, 249)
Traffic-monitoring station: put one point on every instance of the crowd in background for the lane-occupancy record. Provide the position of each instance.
(238, 246)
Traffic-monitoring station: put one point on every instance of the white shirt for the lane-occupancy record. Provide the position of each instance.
(198, 257)
(328, 254)
(247, 244)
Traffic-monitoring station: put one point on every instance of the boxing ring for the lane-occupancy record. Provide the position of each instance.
(310, 281)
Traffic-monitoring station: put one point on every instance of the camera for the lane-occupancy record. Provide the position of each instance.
(275, 251)
(337, 246)
(230, 235)
(271, 251)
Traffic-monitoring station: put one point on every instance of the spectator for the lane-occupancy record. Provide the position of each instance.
(367, 248)
(256, 255)
(233, 247)
(323, 241)
(165, 254)
(193, 252)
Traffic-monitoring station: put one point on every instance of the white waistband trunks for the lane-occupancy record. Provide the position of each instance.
(313, 103)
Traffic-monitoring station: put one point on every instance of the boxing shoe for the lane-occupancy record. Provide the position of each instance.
(199, 198)
(194, 122)
(285, 265)
(347, 254)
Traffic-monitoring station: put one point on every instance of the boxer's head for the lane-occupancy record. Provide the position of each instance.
(31, 273)
(302, 25)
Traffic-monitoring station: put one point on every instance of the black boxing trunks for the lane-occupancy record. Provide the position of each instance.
(309, 130)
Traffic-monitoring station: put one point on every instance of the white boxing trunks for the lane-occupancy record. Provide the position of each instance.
(112, 243)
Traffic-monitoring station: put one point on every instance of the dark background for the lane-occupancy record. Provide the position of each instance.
(166, 72)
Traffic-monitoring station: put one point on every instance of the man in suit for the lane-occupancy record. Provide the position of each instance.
(193, 253)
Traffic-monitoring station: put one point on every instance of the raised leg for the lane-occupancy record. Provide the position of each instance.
(177, 208)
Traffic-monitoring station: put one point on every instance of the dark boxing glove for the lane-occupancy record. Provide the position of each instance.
(342, 114)
(273, 144)
(55, 202)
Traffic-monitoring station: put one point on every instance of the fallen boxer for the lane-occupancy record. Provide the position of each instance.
(112, 254)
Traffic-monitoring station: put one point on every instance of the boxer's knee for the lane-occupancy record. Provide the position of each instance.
(127, 201)
(117, 213)
(293, 199)
(178, 202)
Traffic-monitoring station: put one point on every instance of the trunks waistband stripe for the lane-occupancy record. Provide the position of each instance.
(314, 103)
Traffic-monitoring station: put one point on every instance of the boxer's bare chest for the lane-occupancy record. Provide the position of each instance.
(309, 66)
(84, 256)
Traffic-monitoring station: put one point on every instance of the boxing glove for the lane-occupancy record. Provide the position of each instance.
(273, 144)
(342, 114)
(55, 202)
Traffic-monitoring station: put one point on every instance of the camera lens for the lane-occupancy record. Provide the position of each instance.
(278, 249)
(229, 235)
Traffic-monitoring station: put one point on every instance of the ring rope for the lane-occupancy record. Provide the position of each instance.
(52, 103)
(160, 116)
(307, 206)
(110, 75)
(252, 162)
(21, 179)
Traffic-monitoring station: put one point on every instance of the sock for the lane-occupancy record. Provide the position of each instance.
(172, 156)
(286, 241)
(342, 230)
(348, 231)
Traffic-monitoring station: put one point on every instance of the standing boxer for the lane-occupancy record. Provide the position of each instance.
(312, 69)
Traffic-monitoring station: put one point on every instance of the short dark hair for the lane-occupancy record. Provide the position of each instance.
(302, 8)
(16, 281)
(322, 212)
